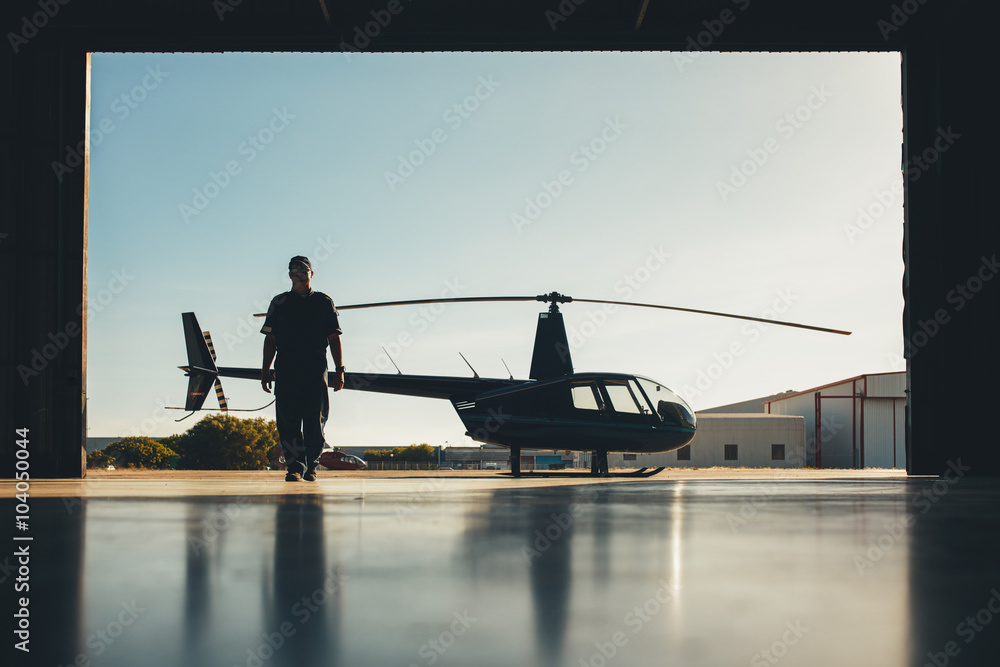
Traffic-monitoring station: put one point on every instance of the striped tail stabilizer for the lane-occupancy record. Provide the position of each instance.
(201, 368)
(223, 403)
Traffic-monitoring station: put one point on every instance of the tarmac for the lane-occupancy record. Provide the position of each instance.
(691, 567)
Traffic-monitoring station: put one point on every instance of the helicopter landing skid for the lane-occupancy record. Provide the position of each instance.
(641, 472)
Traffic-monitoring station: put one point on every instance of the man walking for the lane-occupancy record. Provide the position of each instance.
(300, 324)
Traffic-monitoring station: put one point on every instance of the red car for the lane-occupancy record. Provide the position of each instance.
(330, 459)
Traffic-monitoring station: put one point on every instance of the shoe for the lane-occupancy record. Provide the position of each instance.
(293, 477)
(310, 476)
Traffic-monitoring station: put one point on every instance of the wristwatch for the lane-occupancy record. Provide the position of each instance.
(340, 369)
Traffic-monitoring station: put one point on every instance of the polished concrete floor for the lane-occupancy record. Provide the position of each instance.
(441, 571)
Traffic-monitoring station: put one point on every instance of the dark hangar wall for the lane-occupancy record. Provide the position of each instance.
(951, 304)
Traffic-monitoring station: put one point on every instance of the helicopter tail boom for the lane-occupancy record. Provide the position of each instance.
(426, 386)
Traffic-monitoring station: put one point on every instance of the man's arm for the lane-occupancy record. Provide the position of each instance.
(270, 346)
(337, 350)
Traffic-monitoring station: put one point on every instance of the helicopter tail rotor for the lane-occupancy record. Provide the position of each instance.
(219, 394)
(201, 369)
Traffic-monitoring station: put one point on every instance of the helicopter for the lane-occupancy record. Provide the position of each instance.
(555, 408)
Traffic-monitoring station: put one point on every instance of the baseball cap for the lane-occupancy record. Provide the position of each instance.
(299, 264)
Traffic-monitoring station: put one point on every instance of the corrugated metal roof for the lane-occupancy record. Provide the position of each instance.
(748, 406)
(834, 384)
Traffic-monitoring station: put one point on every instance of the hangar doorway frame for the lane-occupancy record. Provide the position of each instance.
(948, 228)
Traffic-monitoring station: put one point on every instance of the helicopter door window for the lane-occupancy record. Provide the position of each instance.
(622, 399)
(586, 397)
(644, 405)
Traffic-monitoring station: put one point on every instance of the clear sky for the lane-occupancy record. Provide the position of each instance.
(752, 183)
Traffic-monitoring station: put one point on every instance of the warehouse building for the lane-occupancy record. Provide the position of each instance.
(853, 423)
(754, 405)
(732, 440)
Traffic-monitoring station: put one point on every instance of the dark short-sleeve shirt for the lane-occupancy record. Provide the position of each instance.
(302, 325)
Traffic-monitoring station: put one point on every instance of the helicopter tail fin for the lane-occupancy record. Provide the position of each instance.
(201, 369)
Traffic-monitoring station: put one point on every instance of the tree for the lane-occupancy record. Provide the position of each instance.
(224, 442)
(98, 459)
(413, 454)
(171, 441)
(133, 452)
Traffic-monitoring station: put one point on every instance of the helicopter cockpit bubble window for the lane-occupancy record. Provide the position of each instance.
(644, 405)
(673, 410)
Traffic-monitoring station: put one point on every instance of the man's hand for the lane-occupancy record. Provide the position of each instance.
(337, 350)
(270, 347)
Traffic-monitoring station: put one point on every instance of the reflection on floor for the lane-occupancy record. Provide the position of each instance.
(651, 572)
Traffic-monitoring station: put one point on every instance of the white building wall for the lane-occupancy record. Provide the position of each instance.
(836, 444)
(885, 385)
(832, 445)
(900, 408)
(803, 405)
(752, 434)
(884, 441)
(861, 418)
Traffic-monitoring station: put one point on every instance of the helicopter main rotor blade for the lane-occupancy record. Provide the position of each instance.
(414, 302)
(448, 300)
(718, 314)
(561, 298)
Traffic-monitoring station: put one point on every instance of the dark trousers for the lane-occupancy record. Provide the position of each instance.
(301, 411)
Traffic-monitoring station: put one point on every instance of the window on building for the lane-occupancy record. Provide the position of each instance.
(777, 452)
(684, 453)
(630, 457)
(731, 452)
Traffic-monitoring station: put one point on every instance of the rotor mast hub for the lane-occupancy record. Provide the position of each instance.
(554, 298)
